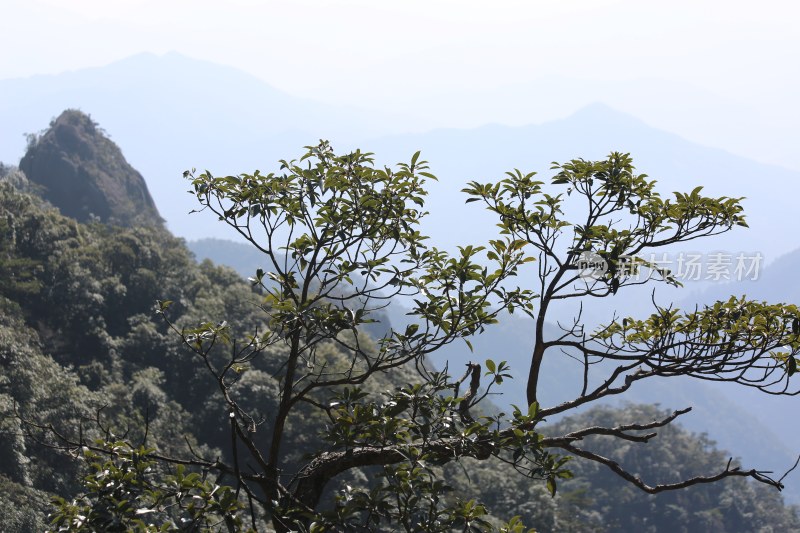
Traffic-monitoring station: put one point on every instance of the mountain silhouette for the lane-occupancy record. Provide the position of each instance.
(172, 113)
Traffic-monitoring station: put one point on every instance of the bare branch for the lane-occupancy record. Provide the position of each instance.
(655, 489)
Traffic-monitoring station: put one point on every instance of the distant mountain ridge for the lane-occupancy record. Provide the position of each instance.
(487, 152)
(775, 283)
(172, 113)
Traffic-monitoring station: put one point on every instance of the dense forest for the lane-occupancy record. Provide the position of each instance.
(84, 355)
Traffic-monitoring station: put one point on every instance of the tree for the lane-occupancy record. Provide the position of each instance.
(123, 497)
(341, 239)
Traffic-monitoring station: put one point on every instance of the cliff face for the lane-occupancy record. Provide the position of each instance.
(84, 174)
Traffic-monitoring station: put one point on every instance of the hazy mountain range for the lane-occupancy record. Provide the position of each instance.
(170, 113)
(198, 114)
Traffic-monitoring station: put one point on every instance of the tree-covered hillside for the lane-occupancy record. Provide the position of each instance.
(85, 357)
(79, 341)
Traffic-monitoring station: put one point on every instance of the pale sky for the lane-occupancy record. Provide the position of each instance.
(722, 73)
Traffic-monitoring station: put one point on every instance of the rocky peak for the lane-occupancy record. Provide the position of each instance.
(83, 173)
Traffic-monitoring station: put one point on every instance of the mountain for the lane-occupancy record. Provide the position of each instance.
(84, 174)
(82, 351)
(487, 152)
(244, 259)
(774, 283)
(172, 113)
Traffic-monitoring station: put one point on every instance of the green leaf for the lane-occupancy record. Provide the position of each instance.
(551, 486)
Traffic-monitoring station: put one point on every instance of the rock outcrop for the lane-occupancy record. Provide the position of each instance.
(85, 175)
